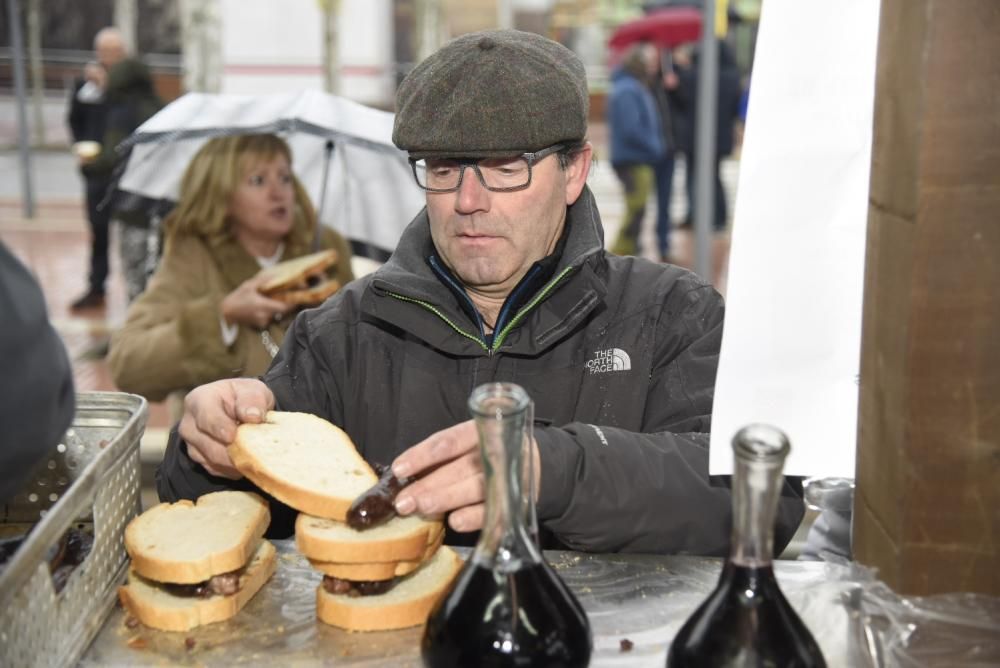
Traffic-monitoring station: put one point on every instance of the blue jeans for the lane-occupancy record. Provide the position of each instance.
(664, 171)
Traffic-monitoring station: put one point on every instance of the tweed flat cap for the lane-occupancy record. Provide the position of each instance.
(490, 94)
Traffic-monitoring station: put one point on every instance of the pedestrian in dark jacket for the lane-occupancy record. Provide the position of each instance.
(637, 143)
(503, 277)
(87, 121)
(36, 386)
(684, 100)
(131, 100)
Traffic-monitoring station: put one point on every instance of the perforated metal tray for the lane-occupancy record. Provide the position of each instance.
(91, 481)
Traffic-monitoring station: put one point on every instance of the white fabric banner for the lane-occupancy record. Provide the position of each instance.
(792, 338)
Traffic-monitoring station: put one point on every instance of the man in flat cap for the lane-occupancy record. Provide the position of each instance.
(504, 277)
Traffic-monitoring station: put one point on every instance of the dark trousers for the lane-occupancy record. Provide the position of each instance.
(100, 223)
(664, 172)
(719, 221)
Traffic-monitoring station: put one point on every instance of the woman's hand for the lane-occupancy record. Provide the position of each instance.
(246, 306)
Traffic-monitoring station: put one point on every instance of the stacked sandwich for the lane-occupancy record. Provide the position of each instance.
(381, 571)
(301, 281)
(197, 563)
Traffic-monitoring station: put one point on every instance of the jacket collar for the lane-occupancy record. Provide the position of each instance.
(409, 274)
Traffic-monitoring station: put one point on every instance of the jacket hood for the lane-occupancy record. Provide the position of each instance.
(129, 76)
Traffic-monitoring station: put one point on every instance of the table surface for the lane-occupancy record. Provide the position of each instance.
(642, 598)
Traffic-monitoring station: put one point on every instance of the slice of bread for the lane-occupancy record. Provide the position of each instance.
(292, 273)
(307, 296)
(407, 604)
(303, 461)
(187, 542)
(155, 607)
(376, 571)
(399, 539)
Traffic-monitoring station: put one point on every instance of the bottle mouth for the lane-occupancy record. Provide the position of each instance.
(761, 443)
(495, 400)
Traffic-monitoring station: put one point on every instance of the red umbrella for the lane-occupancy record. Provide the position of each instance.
(665, 27)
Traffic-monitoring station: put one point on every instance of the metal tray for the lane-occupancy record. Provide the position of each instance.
(91, 480)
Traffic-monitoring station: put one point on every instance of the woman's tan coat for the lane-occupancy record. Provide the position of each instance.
(172, 338)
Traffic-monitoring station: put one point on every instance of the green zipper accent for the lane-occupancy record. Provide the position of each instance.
(435, 311)
(549, 287)
(498, 339)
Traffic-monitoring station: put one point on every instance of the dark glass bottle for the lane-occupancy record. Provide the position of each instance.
(507, 607)
(747, 621)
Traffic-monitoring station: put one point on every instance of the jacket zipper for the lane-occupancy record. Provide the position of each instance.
(433, 309)
(498, 338)
(549, 287)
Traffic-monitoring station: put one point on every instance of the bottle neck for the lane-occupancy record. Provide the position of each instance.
(756, 490)
(507, 541)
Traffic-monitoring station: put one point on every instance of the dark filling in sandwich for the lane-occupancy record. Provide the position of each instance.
(224, 584)
(314, 280)
(355, 588)
(376, 505)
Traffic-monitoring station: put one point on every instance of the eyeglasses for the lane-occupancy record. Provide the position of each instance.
(444, 175)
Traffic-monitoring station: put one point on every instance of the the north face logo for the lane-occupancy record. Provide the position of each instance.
(612, 359)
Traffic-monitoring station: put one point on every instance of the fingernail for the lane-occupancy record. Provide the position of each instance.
(456, 523)
(405, 505)
(401, 469)
(252, 412)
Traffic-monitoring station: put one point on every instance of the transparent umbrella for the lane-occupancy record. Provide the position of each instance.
(342, 153)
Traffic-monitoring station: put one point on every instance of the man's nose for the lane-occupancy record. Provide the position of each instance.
(472, 196)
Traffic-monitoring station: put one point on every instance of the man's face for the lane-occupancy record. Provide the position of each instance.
(491, 239)
(109, 50)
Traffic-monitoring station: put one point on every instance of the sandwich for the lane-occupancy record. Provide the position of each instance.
(380, 571)
(301, 281)
(197, 563)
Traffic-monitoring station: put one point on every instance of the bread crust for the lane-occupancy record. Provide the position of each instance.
(307, 296)
(407, 547)
(342, 611)
(201, 610)
(280, 276)
(304, 500)
(376, 571)
(177, 571)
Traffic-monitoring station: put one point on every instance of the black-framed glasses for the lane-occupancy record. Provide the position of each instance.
(444, 175)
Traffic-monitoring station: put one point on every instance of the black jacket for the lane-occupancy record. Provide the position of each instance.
(618, 353)
(86, 119)
(36, 386)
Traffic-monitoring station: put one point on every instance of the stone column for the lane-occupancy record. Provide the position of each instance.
(927, 505)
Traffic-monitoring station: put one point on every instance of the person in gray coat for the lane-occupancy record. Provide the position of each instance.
(504, 277)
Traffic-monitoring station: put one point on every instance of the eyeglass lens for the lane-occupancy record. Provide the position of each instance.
(494, 173)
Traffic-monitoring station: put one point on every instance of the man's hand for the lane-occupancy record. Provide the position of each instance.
(211, 414)
(451, 478)
(246, 306)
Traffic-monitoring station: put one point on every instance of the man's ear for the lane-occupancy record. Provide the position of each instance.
(577, 171)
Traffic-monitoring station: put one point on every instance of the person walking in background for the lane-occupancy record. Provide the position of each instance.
(658, 78)
(87, 119)
(202, 318)
(636, 143)
(684, 99)
(130, 101)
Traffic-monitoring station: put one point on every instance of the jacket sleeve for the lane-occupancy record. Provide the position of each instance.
(605, 489)
(76, 118)
(36, 387)
(172, 338)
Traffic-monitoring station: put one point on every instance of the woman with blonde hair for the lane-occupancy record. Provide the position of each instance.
(202, 318)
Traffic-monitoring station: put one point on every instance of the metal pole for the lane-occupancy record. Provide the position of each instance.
(706, 112)
(17, 44)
